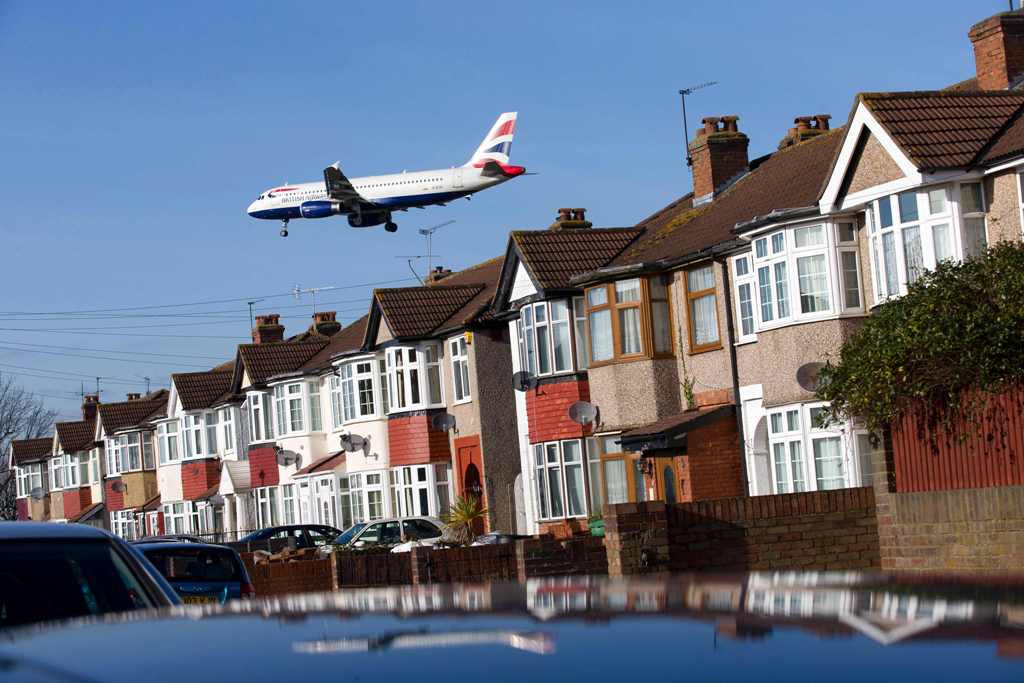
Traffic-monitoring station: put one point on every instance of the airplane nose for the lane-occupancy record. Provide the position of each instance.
(251, 208)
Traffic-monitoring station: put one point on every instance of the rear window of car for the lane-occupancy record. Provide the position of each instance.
(195, 564)
(58, 579)
(349, 533)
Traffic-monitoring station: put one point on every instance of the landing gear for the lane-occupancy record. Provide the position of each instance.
(390, 226)
(284, 228)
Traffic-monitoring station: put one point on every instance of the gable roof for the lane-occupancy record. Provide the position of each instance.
(477, 309)
(31, 450)
(346, 340)
(117, 416)
(790, 178)
(198, 390)
(944, 129)
(553, 257)
(413, 312)
(263, 361)
(75, 436)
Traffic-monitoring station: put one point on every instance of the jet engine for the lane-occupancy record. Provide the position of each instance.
(367, 218)
(319, 209)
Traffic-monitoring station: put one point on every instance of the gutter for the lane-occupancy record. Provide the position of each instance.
(660, 265)
(774, 216)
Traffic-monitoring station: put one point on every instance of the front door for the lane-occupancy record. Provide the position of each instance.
(667, 480)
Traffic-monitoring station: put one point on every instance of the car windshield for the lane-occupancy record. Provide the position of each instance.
(50, 580)
(194, 564)
(347, 535)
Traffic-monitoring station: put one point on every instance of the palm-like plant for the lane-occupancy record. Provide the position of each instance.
(463, 515)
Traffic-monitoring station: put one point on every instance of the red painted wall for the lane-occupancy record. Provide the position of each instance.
(197, 477)
(76, 500)
(547, 410)
(952, 462)
(22, 509)
(412, 440)
(263, 466)
(114, 501)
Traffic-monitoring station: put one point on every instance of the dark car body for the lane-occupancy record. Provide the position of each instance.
(200, 572)
(769, 626)
(172, 538)
(63, 571)
(304, 535)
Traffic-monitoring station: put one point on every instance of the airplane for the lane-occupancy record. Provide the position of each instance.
(370, 200)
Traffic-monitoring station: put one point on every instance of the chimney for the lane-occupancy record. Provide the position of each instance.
(571, 219)
(325, 323)
(90, 404)
(998, 49)
(437, 274)
(718, 154)
(268, 329)
(134, 397)
(806, 128)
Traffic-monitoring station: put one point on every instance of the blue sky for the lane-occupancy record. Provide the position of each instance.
(135, 134)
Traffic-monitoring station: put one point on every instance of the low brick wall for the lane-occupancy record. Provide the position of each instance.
(821, 530)
(282, 578)
(372, 568)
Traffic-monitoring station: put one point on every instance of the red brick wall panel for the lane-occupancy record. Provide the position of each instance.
(199, 476)
(714, 461)
(75, 501)
(263, 466)
(22, 509)
(113, 500)
(412, 440)
(547, 410)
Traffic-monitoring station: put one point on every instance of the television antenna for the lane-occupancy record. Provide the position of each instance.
(252, 320)
(686, 127)
(298, 291)
(415, 257)
(429, 234)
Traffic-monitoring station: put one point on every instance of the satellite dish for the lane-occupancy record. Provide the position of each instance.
(352, 442)
(37, 493)
(118, 487)
(286, 458)
(217, 500)
(807, 376)
(583, 413)
(443, 422)
(523, 381)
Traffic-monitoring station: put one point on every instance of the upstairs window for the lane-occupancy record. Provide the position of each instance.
(702, 306)
(743, 278)
(226, 417)
(167, 432)
(261, 425)
(553, 336)
(112, 451)
(352, 394)
(289, 410)
(193, 427)
(414, 377)
(459, 353)
(629, 319)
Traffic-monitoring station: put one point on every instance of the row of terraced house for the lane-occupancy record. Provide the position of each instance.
(670, 360)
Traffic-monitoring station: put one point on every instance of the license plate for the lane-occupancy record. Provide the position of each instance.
(198, 599)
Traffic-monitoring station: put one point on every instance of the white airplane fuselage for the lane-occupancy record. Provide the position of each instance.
(394, 192)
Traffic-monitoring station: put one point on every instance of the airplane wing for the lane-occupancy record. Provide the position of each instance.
(338, 186)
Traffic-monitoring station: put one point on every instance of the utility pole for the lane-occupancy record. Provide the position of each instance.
(686, 127)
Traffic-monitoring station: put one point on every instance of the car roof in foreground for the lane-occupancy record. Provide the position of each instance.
(27, 531)
(180, 545)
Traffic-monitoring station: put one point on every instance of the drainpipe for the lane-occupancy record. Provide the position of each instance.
(731, 332)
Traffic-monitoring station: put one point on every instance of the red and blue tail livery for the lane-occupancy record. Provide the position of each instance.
(370, 200)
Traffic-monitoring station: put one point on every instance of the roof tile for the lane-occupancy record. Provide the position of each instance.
(75, 436)
(263, 361)
(417, 311)
(198, 390)
(125, 414)
(553, 257)
(30, 450)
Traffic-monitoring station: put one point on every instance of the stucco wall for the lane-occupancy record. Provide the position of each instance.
(494, 398)
(57, 505)
(168, 481)
(38, 510)
(139, 487)
(708, 370)
(1003, 207)
(772, 361)
(874, 167)
(374, 454)
(636, 393)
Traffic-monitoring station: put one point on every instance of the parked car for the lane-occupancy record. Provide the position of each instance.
(387, 533)
(201, 572)
(305, 535)
(61, 571)
(170, 538)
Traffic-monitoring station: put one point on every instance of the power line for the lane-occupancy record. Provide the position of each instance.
(118, 351)
(69, 374)
(113, 360)
(93, 331)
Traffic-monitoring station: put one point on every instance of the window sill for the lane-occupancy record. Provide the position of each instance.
(704, 349)
(357, 420)
(744, 342)
(468, 399)
(811, 319)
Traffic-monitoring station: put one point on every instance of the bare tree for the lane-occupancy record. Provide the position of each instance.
(22, 416)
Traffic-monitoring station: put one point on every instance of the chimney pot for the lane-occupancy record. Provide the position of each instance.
(325, 323)
(90, 404)
(729, 123)
(437, 274)
(134, 397)
(579, 214)
(822, 121)
(802, 123)
(710, 124)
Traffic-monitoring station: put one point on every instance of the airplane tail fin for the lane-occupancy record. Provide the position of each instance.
(498, 143)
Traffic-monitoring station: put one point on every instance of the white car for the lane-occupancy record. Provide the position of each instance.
(388, 532)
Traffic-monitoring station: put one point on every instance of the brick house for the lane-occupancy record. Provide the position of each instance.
(127, 432)
(75, 472)
(28, 460)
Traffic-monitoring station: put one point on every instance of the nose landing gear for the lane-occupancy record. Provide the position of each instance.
(284, 228)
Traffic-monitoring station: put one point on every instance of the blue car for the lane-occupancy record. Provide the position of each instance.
(199, 572)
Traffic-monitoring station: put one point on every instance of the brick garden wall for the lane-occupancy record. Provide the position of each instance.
(283, 578)
(821, 530)
(714, 464)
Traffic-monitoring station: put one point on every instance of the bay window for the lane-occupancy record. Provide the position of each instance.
(148, 462)
(57, 473)
(355, 488)
(345, 503)
(167, 432)
(421, 490)
(289, 408)
(374, 496)
(176, 518)
(559, 483)
(288, 503)
(113, 455)
(414, 377)
(29, 478)
(211, 421)
(261, 426)
(743, 279)
(807, 456)
(267, 506)
(131, 445)
(227, 426)
(629, 319)
(553, 336)
(702, 309)
(459, 354)
(71, 471)
(337, 405)
(193, 428)
(914, 231)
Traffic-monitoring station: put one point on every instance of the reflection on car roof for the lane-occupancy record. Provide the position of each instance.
(48, 530)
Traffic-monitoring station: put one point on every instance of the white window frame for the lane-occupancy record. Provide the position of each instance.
(749, 282)
(314, 406)
(261, 419)
(410, 373)
(291, 408)
(540, 315)
(347, 391)
(192, 435)
(548, 457)
(112, 451)
(806, 433)
(409, 482)
(458, 352)
(376, 482)
(228, 437)
(268, 506)
(169, 436)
